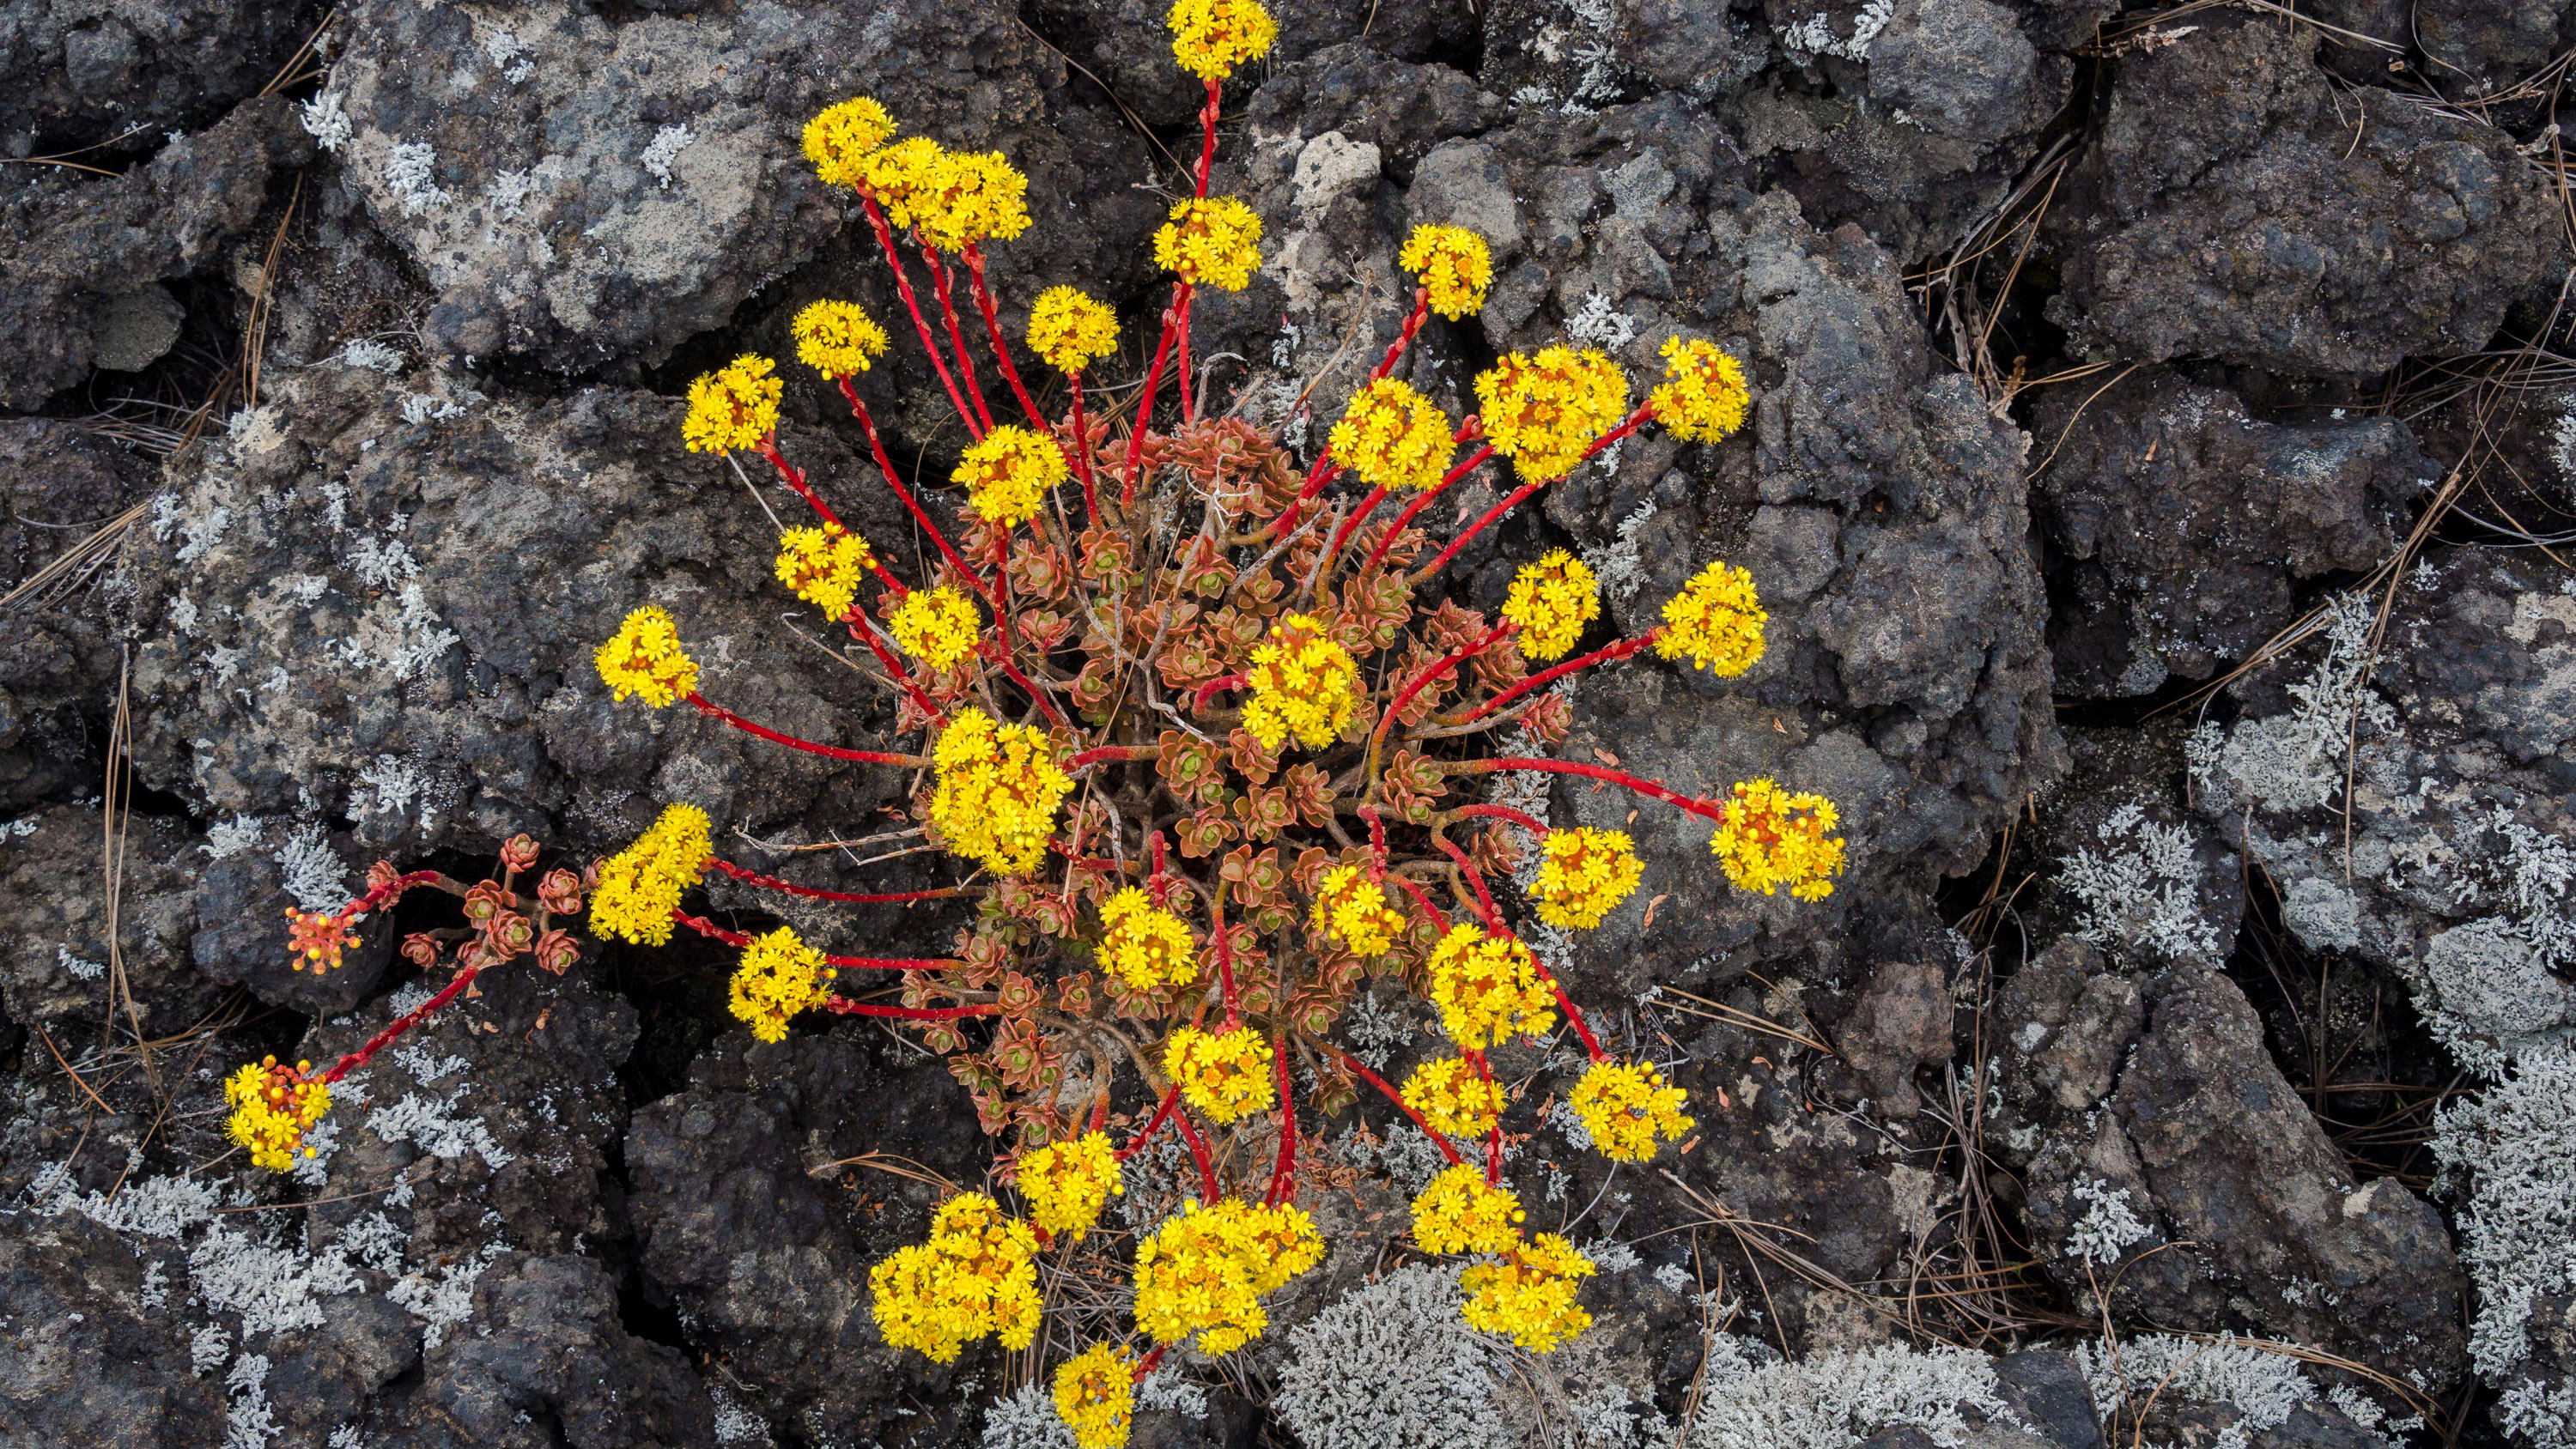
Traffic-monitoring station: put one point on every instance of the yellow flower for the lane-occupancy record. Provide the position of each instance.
(1459, 1213)
(1352, 909)
(273, 1105)
(1224, 1074)
(733, 407)
(1552, 600)
(837, 339)
(1393, 437)
(840, 137)
(1627, 1107)
(1702, 398)
(1143, 944)
(824, 566)
(976, 1277)
(1453, 1098)
(1070, 329)
(1529, 1294)
(937, 626)
(1204, 1270)
(1543, 412)
(1487, 989)
(997, 793)
(1452, 264)
(644, 658)
(779, 977)
(1068, 1183)
(903, 177)
(1585, 874)
(1771, 838)
(641, 885)
(971, 197)
(1006, 476)
(1095, 1395)
(1213, 242)
(1303, 684)
(1717, 620)
(1211, 37)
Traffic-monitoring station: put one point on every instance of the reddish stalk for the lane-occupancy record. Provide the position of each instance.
(843, 1006)
(1655, 789)
(794, 477)
(1521, 494)
(1285, 1171)
(864, 629)
(1500, 812)
(1123, 754)
(712, 931)
(885, 465)
(1421, 898)
(770, 882)
(1146, 1364)
(956, 334)
(1493, 1134)
(390, 890)
(403, 1023)
(1010, 640)
(1224, 955)
(1145, 405)
(1476, 880)
(829, 752)
(1392, 1095)
(1606, 654)
(974, 258)
(1152, 1125)
(1424, 680)
(1350, 526)
(1417, 505)
(1198, 1151)
(912, 304)
(1377, 842)
(1199, 700)
(1082, 452)
(1181, 347)
(1207, 130)
(1404, 338)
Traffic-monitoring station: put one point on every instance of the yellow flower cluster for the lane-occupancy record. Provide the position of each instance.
(1204, 1271)
(1702, 398)
(1487, 989)
(997, 793)
(733, 407)
(977, 1276)
(937, 626)
(640, 886)
(1069, 329)
(1095, 1395)
(824, 566)
(1529, 1293)
(644, 658)
(1627, 1108)
(272, 1106)
(1006, 475)
(840, 137)
(1543, 412)
(1459, 1213)
(1717, 620)
(1212, 242)
(1453, 265)
(1224, 1074)
(1303, 684)
(1393, 437)
(1068, 1183)
(1771, 838)
(1352, 909)
(837, 339)
(970, 197)
(1143, 944)
(779, 977)
(1454, 1098)
(1211, 37)
(1552, 601)
(903, 177)
(1585, 873)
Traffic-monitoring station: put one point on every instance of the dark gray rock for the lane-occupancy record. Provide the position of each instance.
(1125, 47)
(81, 1361)
(2290, 228)
(2179, 525)
(79, 74)
(241, 938)
(55, 969)
(1901, 1022)
(2468, 46)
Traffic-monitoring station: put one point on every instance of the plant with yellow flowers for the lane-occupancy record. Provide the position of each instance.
(1199, 747)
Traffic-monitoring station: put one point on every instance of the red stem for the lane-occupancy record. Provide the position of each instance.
(843, 1006)
(1606, 654)
(710, 929)
(1422, 899)
(1284, 1174)
(885, 465)
(1404, 338)
(1224, 955)
(1392, 1095)
(1500, 812)
(956, 334)
(830, 752)
(1207, 146)
(401, 1024)
(1152, 1125)
(1199, 700)
(1146, 1364)
(864, 629)
(1634, 421)
(1422, 681)
(1010, 641)
(974, 258)
(912, 304)
(1125, 754)
(1082, 452)
(1351, 525)
(794, 477)
(773, 883)
(1145, 406)
(1377, 842)
(1417, 505)
(1656, 789)
(1198, 1150)
(1476, 880)
(390, 890)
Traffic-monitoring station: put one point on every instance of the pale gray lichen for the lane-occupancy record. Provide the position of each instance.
(2295, 760)
(1393, 1365)
(1837, 1399)
(2142, 894)
(2262, 1384)
(2508, 1158)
